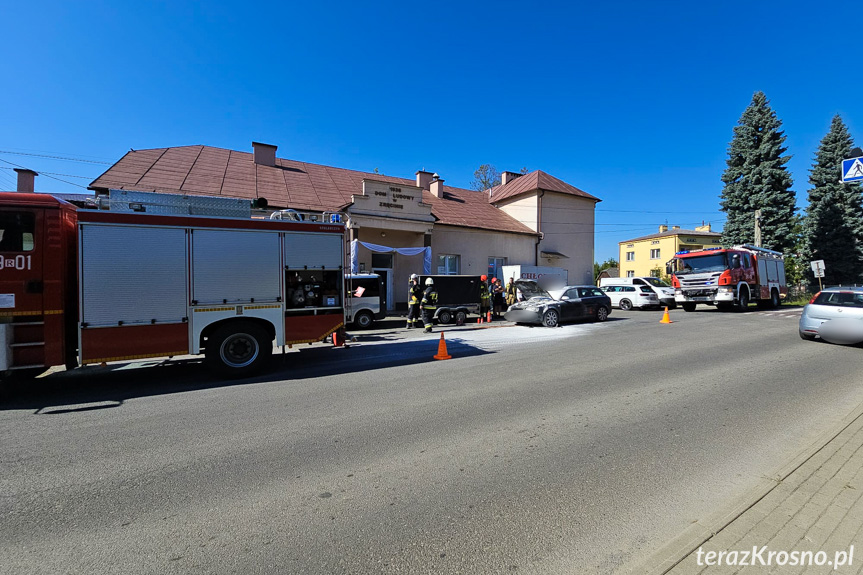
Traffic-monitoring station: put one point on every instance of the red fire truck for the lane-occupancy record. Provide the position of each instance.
(143, 274)
(728, 278)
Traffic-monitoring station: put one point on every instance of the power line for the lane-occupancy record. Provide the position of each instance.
(54, 174)
(50, 157)
(47, 176)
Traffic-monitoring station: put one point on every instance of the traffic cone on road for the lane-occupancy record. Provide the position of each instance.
(488, 319)
(441, 349)
(665, 317)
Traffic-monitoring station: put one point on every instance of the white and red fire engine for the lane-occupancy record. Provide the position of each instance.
(728, 277)
(146, 275)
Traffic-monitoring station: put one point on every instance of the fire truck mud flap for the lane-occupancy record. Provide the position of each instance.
(238, 349)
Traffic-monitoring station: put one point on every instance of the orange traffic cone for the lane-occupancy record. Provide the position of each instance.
(665, 317)
(479, 319)
(441, 349)
(488, 319)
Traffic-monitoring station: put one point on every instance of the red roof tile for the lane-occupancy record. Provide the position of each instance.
(536, 180)
(204, 170)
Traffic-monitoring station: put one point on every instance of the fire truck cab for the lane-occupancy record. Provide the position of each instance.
(143, 275)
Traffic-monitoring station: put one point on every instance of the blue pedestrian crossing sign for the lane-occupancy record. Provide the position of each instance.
(852, 170)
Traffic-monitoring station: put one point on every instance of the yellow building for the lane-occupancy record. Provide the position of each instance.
(647, 255)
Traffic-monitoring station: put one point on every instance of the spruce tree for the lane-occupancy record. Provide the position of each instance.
(833, 226)
(756, 178)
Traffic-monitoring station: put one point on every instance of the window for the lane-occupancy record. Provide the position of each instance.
(654, 254)
(16, 231)
(630, 256)
(495, 268)
(448, 265)
(384, 261)
(630, 274)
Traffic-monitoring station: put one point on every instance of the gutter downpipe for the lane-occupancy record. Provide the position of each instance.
(538, 227)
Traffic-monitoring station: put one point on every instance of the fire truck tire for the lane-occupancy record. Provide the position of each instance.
(238, 349)
(775, 300)
(743, 300)
(364, 320)
(688, 306)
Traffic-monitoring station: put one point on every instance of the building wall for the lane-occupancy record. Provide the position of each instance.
(524, 209)
(567, 224)
(643, 264)
(475, 247)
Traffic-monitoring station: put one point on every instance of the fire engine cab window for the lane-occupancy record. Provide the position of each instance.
(16, 231)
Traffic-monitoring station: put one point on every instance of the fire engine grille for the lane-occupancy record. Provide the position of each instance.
(698, 292)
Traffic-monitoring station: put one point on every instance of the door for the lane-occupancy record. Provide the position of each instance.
(21, 281)
(387, 301)
(572, 307)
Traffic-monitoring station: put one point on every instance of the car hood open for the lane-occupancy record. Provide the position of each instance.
(530, 289)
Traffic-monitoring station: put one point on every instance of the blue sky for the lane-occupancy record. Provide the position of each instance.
(633, 102)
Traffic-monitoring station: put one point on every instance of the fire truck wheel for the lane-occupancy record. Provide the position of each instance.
(743, 300)
(775, 300)
(363, 320)
(688, 306)
(238, 349)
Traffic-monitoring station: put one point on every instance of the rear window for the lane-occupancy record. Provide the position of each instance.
(841, 298)
(371, 287)
(16, 231)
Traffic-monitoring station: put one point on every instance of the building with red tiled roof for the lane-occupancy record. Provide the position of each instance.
(469, 232)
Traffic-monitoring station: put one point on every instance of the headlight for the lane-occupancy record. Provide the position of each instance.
(678, 292)
(726, 289)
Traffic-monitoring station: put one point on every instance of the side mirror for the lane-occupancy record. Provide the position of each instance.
(564, 297)
(669, 269)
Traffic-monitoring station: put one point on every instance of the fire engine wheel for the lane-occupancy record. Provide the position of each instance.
(743, 300)
(550, 318)
(363, 320)
(775, 300)
(445, 316)
(688, 306)
(238, 349)
(625, 305)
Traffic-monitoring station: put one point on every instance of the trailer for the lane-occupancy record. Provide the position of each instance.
(142, 275)
(458, 296)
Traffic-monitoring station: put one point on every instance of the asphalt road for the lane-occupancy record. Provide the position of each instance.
(571, 450)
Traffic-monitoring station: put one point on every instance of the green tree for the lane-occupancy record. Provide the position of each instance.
(833, 225)
(486, 176)
(756, 178)
(598, 267)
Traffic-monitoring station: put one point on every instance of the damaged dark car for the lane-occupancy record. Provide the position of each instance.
(570, 303)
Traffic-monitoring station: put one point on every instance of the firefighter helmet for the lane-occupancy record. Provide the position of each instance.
(414, 277)
(483, 278)
(429, 282)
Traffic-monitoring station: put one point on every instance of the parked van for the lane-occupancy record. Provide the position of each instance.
(628, 297)
(363, 293)
(663, 291)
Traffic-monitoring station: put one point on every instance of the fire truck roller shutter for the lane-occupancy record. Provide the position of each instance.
(232, 266)
(305, 250)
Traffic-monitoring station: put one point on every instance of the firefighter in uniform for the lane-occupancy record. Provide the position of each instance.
(429, 305)
(484, 297)
(415, 294)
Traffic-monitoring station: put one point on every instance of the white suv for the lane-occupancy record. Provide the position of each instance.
(628, 297)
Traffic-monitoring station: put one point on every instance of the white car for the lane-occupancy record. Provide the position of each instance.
(627, 297)
(835, 315)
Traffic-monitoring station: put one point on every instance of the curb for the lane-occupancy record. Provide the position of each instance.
(694, 536)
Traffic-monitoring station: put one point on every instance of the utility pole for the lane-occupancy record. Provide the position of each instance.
(758, 228)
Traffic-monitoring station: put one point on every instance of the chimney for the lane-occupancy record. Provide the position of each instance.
(265, 154)
(663, 228)
(507, 177)
(436, 187)
(703, 228)
(424, 179)
(26, 180)
(675, 227)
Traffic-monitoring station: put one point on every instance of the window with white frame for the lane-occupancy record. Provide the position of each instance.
(654, 254)
(630, 273)
(448, 264)
(630, 256)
